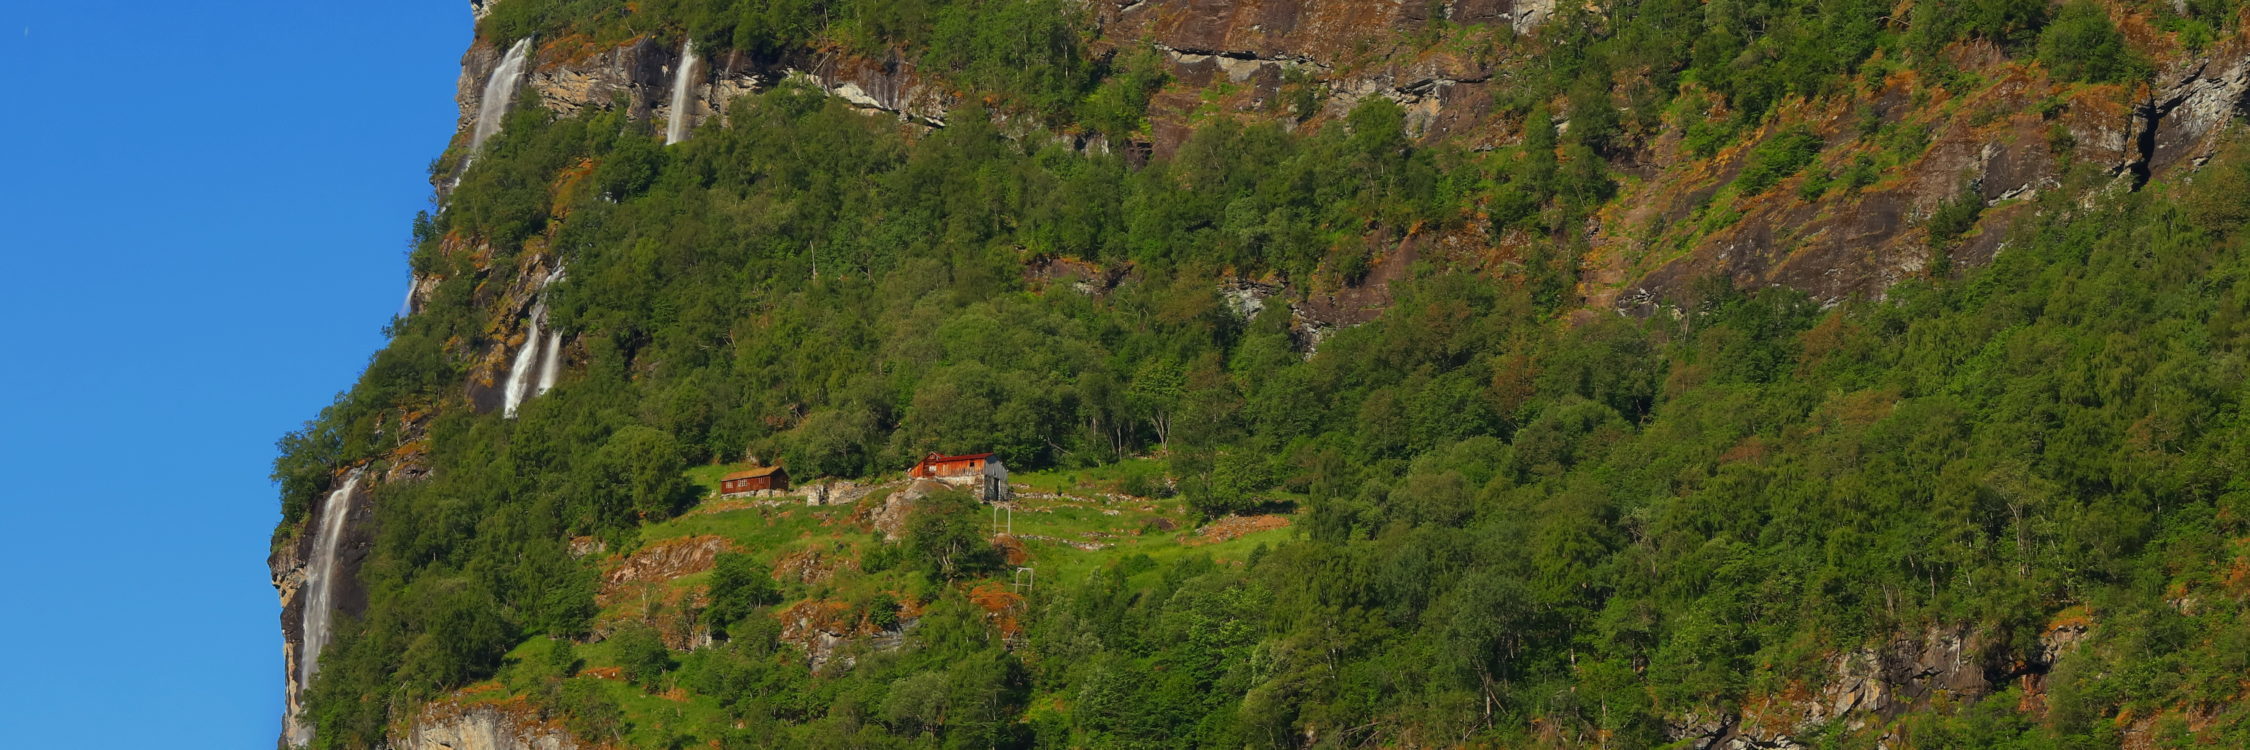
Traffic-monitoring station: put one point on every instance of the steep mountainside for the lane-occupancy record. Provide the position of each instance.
(1758, 373)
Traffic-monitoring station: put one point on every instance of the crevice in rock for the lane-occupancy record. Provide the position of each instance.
(2146, 117)
(1238, 55)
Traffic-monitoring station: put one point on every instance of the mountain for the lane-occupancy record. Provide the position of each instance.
(1742, 373)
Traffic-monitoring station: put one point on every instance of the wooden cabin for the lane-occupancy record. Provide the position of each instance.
(744, 482)
(979, 472)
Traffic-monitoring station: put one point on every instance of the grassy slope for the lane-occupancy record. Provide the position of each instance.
(1055, 509)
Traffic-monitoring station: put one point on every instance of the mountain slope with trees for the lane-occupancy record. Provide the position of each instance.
(1333, 432)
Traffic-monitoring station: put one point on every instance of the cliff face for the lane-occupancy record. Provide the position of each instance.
(2007, 141)
(1998, 142)
(505, 725)
(298, 567)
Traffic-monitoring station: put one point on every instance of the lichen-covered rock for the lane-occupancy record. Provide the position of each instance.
(666, 560)
(506, 725)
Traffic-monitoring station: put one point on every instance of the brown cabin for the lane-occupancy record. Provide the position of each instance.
(979, 472)
(767, 478)
(938, 465)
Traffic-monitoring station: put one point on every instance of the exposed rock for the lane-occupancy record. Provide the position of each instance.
(666, 560)
(812, 566)
(507, 725)
(837, 491)
(586, 545)
(1247, 298)
(890, 518)
(288, 564)
(827, 629)
(2199, 97)
(1844, 242)
(636, 76)
(890, 86)
(1234, 527)
(1530, 13)
(1869, 685)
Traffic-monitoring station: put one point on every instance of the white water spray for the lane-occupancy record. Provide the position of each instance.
(531, 370)
(550, 364)
(320, 599)
(499, 92)
(683, 78)
(520, 373)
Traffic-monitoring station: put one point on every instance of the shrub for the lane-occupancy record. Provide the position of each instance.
(2082, 45)
(1778, 158)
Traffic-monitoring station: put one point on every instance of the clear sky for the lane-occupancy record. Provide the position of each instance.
(204, 210)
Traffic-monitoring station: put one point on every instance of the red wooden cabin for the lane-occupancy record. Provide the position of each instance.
(977, 472)
(768, 478)
(937, 465)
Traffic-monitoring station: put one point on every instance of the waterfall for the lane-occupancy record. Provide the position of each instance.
(682, 81)
(530, 370)
(520, 373)
(499, 92)
(551, 364)
(320, 600)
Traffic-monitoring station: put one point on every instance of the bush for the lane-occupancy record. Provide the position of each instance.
(2082, 45)
(1954, 217)
(642, 654)
(946, 535)
(1778, 158)
(739, 585)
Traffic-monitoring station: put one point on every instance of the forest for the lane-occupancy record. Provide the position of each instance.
(1514, 526)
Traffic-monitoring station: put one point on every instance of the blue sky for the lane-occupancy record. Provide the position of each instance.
(204, 210)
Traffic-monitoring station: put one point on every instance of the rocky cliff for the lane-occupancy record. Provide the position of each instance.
(2015, 136)
(502, 725)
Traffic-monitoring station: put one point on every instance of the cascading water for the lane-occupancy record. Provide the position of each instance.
(499, 92)
(522, 372)
(320, 598)
(551, 364)
(531, 370)
(676, 129)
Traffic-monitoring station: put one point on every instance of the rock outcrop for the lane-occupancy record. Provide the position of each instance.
(291, 567)
(508, 725)
(1869, 685)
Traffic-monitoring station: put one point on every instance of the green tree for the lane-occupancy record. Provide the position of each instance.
(739, 585)
(946, 534)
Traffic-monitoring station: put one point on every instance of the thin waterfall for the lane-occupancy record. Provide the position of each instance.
(551, 364)
(531, 370)
(682, 83)
(499, 92)
(520, 373)
(320, 601)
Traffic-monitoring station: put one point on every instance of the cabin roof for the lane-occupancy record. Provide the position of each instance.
(751, 474)
(940, 458)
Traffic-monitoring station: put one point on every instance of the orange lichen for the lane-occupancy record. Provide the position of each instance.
(1000, 606)
(1234, 527)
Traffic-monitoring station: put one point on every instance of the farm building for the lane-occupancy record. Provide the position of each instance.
(744, 482)
(977, 472)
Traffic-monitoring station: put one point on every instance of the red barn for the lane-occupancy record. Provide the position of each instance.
(768, 478)
(979, 471)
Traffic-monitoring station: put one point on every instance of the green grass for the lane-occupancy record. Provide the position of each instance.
(1045, 527)
(708, 476)
(1107, 478)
